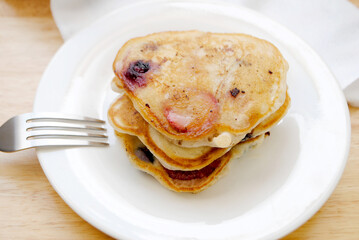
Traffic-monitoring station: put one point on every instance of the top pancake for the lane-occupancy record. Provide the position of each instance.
(199, 87)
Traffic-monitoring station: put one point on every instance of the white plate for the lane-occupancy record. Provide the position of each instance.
(266, 194)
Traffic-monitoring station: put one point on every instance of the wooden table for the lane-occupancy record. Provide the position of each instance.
(31, 209)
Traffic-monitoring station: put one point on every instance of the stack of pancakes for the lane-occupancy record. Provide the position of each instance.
(192, 101)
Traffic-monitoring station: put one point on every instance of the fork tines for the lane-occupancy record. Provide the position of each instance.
(50, 129)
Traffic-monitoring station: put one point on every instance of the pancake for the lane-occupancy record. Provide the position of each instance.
(205, 89)
(125, 119)
(115, 87)
(181, 181)
(261, 128)
(273, 119)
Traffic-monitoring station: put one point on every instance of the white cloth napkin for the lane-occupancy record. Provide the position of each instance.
(331, 27)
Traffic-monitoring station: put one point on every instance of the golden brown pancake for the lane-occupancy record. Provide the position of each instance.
(182, 181)
(125, 118)
(273, 119)
(206, 89)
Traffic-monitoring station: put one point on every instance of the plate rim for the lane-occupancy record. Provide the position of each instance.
(284, 230)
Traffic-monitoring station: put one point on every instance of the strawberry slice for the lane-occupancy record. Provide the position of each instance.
(191, 111)
(195, 174)
(178, 121)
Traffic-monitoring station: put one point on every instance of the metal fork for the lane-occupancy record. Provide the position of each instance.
(51, 129)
